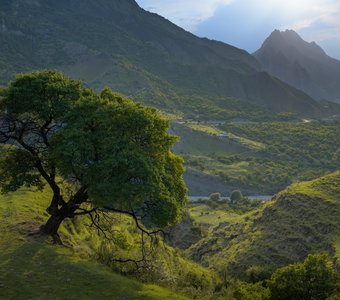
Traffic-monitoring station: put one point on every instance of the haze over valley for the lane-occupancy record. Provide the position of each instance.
(143, 160)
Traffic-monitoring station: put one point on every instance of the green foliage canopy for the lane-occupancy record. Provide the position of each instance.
(236, 196)
(120, 150)
(215, 196)
(111, 152)
(312, 280)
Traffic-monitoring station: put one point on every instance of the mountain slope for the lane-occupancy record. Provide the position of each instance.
(33, 268)
(302, 219)
(303, 65)
(140, 54)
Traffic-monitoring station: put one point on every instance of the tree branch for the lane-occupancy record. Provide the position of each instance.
(135, 218)
(84, 211)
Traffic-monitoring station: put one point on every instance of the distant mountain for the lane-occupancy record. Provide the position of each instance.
(285, 55)
(144, 56)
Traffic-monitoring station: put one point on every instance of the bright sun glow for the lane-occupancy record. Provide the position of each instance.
(291, 5)
(288, 7)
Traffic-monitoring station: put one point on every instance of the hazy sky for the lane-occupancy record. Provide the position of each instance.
(246, 23)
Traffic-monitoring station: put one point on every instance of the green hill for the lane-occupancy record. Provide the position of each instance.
(302, 219)
(32, 268)
(141, 55)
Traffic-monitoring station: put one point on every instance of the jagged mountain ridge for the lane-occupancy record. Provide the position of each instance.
(118, 44)
(306, 66)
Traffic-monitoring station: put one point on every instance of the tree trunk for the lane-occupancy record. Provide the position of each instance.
(52, 226)
(58, 215)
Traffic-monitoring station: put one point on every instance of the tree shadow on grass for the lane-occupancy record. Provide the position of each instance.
(35, 269)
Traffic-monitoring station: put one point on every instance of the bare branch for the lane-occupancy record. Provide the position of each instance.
(135, 218)
(84, 212)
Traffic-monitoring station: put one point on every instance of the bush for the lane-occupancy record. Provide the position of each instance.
(215, 197)
(248, 291)
(315, 279)
(236, 196)
(212, 204)
(256, 274)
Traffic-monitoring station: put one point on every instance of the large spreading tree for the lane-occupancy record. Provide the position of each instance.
(95, 152)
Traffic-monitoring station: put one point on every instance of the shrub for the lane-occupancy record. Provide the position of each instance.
(314, 279)
(248, 291)
(236, 196)
(215, 197)
(256, 274)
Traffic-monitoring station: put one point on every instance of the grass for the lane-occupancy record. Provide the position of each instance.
(215, 131)
(300, 220)
(336, 244)
(240, 161)
(251, 144)
(37, 270)
(195, 142)
(326, 187)
(237, 169)
(215, 167)
(209, 129)
(204, 215)
(32, 268)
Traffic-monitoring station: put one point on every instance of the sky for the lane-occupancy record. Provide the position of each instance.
(247, 23)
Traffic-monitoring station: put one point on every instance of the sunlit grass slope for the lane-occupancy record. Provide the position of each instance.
(208, 216)
(32, 268)
(300, 220)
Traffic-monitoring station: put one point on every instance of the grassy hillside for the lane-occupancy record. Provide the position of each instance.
(196, 142)
(262, 157)
(32, 268)
(302, 219)
(143, 56)
(208, 157)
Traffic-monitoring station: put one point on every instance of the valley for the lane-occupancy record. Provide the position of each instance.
(241, 240)
(260, 158)
(140, 161)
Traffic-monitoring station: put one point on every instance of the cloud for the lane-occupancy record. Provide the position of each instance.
(327, 15)
(323, 26)
(188, 13)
